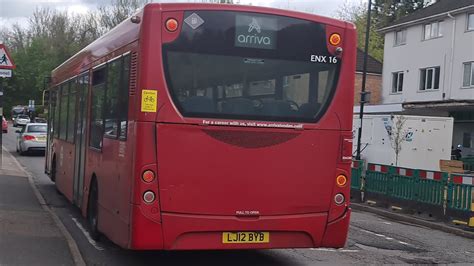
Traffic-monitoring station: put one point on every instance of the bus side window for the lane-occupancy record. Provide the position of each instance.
(54, 111)
(71, 111)
(111, 99)
(123, 98)
(63, 110)
(97, 108)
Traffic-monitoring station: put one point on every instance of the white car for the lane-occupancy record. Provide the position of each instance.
(21, 120)
(31, 138)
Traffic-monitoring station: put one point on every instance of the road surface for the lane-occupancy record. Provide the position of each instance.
(372, 239)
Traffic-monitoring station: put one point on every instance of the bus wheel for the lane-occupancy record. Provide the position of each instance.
(52, 176)
(93, 210)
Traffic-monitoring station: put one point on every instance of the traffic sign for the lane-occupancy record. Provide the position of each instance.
(5, 73)
(6, 61)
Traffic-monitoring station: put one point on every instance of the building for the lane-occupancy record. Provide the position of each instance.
(429, 65)
(374, 78)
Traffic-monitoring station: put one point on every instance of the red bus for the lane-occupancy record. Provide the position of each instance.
(206, 126)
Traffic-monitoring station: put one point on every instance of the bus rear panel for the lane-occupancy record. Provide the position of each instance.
(252, 128)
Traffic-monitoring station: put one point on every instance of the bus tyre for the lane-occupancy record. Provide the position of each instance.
(52, 176)
(93, 210)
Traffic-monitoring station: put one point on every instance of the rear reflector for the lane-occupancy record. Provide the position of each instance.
(346, 152)
(339, 199)
(148, 196)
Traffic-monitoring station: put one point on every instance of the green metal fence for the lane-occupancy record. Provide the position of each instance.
(356, 174)
(376, 181)
(431, 191)
(460, 193)
(407, 184)
(436, 192)
(402, 186)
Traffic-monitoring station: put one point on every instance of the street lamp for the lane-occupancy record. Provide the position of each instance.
(363, 93)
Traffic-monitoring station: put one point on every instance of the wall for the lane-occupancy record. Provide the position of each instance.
(418, 53)
(373, 84)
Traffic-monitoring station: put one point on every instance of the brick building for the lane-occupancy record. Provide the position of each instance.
(374, 78)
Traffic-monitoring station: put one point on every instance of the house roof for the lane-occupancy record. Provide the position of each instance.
(438, 8)
(374, 66)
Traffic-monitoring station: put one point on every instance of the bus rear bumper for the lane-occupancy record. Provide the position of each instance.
(336, 231)
(192, 232)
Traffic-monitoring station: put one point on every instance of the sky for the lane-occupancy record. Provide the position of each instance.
(18, 11)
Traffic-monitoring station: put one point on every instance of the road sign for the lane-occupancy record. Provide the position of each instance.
(5, 73)
(6, 61)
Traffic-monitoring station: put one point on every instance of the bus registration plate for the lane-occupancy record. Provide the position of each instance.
(245, 237)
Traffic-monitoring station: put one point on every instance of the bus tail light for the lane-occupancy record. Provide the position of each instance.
(335, 39)
(339, 199)
(148, 196)
(341, 180)
(29, 137)
(171, 25)
(148, 176)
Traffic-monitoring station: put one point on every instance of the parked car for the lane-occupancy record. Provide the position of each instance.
(40, 120)
(21, 120)
(4, 125)
(31, 138)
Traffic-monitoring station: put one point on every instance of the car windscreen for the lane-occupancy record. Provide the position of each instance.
(23, 116)
(250, 66)
(37, 129)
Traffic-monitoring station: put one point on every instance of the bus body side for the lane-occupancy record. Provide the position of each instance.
(111, 165)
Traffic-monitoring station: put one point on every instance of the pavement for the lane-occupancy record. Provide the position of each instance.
(429, 222)
(30, 234)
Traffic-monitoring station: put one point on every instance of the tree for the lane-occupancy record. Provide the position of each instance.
(50, 38)
(357, 14)
(384, 12)
(388, 11)
(111, 15)
(397, 135)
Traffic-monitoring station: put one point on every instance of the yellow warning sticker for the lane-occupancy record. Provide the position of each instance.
(149, 101)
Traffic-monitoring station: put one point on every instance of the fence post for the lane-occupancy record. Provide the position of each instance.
(392, 170)
(445, 194)
(416, 185)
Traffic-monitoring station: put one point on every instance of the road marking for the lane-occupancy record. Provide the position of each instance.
(335, 250)
(387, 223)
(349, 250)
(86, 234)
(324, 249)
(384, 236)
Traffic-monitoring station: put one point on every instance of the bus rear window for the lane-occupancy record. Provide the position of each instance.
(250, 66)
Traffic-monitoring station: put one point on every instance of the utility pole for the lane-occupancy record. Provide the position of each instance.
(363, 93)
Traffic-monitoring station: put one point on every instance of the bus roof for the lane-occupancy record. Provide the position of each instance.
(128, 32)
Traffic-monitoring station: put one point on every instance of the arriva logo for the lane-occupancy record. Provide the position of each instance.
(254, 26)
(254, 39)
